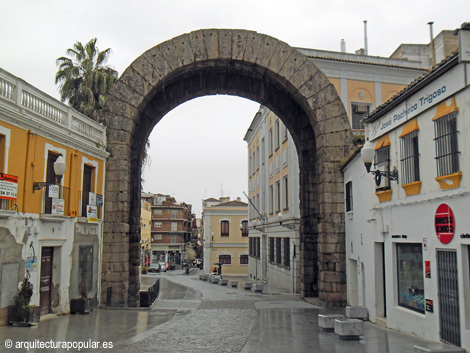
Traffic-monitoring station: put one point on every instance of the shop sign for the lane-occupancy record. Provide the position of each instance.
(8, 186)
(92, 214)
(444, 223)
(429, 305)
(58, 207)
(427, 269)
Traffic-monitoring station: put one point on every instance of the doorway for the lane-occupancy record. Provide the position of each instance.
(448, 294)
(46, 280)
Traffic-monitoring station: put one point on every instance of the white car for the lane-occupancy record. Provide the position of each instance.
(163, 266)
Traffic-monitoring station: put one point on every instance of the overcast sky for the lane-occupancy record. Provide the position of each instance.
(205, 155)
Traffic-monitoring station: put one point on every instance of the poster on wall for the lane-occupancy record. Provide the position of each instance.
(92, 199)
(444, 222)
(427, 268)
(92, 214)
(99, 200)
(53, 191)
(57, 207)
(8, 186)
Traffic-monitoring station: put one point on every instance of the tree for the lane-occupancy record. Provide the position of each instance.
(84, 78)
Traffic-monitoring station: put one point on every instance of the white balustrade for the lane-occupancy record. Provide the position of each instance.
(14, 91)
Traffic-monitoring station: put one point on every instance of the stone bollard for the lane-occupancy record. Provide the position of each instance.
(327, 321)
(349, 329)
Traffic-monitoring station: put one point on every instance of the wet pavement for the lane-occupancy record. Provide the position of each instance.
(192, 315)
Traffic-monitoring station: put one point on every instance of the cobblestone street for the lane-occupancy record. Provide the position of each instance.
(191, 315)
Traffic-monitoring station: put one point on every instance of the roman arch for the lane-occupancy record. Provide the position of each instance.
(240, 63)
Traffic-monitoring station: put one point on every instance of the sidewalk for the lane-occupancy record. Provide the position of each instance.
(191, 315)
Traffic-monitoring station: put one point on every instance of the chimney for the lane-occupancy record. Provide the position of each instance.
(433, 54)
(343, 46)
(366, 50)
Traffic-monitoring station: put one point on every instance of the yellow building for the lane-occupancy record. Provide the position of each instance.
(145, 232)
(225, 225)
(50, 225)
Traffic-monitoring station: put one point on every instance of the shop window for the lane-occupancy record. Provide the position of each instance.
(225, 259)
(349, 197)
(286, 250)
(278, 251)
(243, 259)
(224, 228)
(447, 152)
(271, 249)
(410, 276)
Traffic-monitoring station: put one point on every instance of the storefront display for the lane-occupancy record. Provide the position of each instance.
(410, 276)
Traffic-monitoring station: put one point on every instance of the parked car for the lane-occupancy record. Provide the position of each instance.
(154, 267)
(163, 266)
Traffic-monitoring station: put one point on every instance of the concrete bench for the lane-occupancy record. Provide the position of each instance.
(349, 329)
(437, 348)
(357, 312)
(223, 282)
(234, 284)
(327, 321)
(247, 285)
(258, 288)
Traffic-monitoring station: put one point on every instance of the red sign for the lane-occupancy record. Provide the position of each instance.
(8, 186)
(444, 223)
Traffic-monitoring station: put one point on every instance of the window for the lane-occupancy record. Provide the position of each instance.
(174, 214)
(349, 196)
(278, 196)
(271, 249)
(243, 259)
(157, 224)
(2, 153)
(286, 192)
(257, 158)
(277, 143)
(287, 252)
(278, 251)
(225, 259)
(250, 246)
(88, 172)
(174, 226)
(244, 228)
(270, 141)
(410, 276)
(51, 178)
(271, 199)
(258, 248)
(174, 238)
(157, 212)
(284, 133)
(224, 228)
(447, 152)
(410, 158)
(358, 112)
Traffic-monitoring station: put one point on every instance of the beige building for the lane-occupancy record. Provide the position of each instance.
(145, 232)
(225, 225)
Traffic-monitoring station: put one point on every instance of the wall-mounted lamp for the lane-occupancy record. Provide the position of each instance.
(367, 154)
(290, 226)
(59, 170)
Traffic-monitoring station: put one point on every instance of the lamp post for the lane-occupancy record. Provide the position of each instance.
(59, 170)
(367, 155)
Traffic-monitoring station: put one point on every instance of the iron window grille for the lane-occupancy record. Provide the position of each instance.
(287, 252)
(410, 158)
(278, 251)
(271, 249)
(447, 152)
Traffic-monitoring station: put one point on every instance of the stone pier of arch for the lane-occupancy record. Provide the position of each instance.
(250, 65)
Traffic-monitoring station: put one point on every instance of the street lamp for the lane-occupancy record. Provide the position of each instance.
(59, 170)
(367, 155)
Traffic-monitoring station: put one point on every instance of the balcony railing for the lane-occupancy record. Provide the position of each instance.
(24, 98)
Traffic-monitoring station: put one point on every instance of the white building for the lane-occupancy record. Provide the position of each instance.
(408, 240)
(363, 83)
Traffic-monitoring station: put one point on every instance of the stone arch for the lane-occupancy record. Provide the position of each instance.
(246, 64)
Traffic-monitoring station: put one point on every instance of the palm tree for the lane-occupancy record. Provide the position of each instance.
(84, 79)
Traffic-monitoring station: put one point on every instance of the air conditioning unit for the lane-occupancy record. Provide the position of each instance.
(382, 183)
